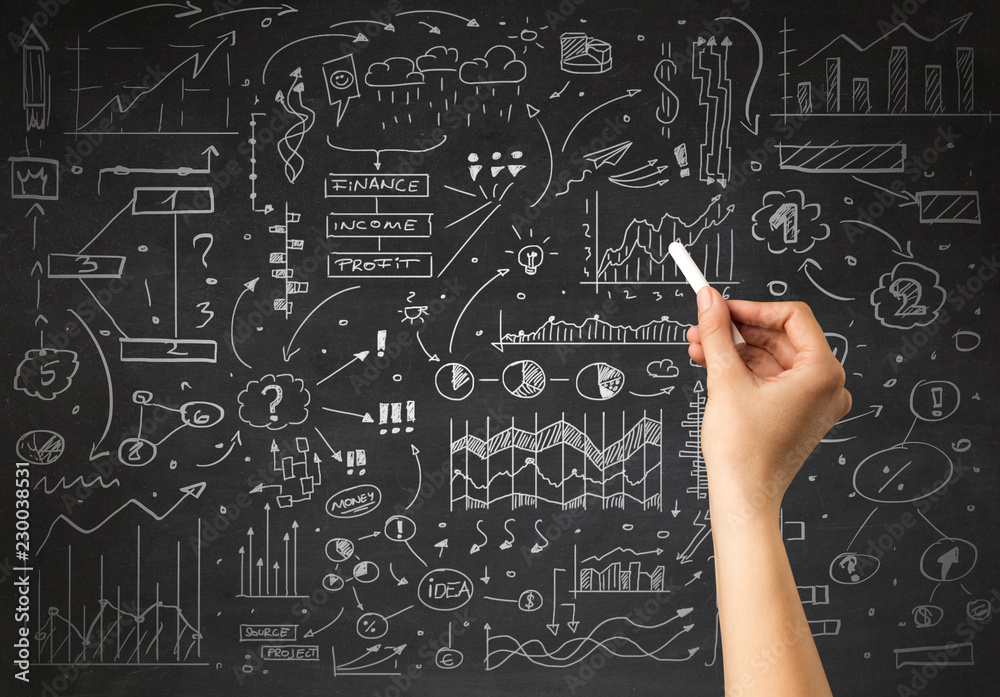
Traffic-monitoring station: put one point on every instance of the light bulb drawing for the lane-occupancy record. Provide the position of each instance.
(531, 255)
(530, 258)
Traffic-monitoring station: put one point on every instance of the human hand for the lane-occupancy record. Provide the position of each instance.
(769, 402)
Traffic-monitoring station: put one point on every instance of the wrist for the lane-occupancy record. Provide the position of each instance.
(736, 503)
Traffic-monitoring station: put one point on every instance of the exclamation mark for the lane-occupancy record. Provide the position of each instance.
(937, 396)
(411, 414)
(396, 409)
(681, 153)
(381, 342)
(399, 528)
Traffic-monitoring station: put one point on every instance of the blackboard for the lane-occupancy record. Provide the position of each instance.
(343, 354)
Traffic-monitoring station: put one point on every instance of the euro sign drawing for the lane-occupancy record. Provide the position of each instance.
(341, 78)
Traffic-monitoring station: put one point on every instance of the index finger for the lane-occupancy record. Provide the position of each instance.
(794, 318)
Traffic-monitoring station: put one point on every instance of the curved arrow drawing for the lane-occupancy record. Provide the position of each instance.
(469, 22)
(420, 476)
(189, 10)
(285, 9)
(312, 633)
(824, 291)
(263, 74)
(746, 123)
(533, 114)
(286, 351)
(387, 27)
(248, 287)
(111, 391)
(906, 254)
(630, 93)
(237, 438)
(430, 358)
(498, 274)
(194, 490)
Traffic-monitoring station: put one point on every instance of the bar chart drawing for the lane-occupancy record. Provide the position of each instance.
(621, 570)
(921, 75)
(154, 622)
(560, 464)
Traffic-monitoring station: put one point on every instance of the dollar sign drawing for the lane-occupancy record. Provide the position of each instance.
(530, 602)
(666, 113)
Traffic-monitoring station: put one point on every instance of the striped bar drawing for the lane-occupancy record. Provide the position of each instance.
(949, 207)
(964, 63)
(847, 158)
(933, 102)
(898, 80)
(833, 85)
(861, 100)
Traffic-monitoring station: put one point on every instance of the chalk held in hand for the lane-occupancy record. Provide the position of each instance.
(694, 277)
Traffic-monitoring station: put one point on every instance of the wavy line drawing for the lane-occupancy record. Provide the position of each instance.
(291, 143)
(573, 181)
(576, 649)
(79, 481)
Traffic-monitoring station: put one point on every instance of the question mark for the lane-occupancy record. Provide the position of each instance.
(211, 241)
(278, 394)
(851, 562)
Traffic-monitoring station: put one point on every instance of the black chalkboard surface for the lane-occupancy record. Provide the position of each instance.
(344, 355)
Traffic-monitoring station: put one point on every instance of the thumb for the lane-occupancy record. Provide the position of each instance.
(714, 328)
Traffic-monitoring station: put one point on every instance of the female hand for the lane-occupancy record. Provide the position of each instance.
(769, 402)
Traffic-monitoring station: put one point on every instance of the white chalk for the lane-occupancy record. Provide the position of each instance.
(694, 277)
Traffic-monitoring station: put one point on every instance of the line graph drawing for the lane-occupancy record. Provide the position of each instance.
(595, 331)
(103, 628)
(640, 257)
(119, 108)
(558, 464)
(923, 74)
(192, 490)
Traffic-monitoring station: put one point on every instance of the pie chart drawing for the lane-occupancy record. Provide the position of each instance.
(40, 447)
(524, 379)
(454, 381)
(599, 382)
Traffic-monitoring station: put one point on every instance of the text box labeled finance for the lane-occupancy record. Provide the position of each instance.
(376, 185)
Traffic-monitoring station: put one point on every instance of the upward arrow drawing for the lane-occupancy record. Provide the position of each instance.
(192, 490)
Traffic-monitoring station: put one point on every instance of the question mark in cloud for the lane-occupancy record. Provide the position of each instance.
(273, 406)
(211, 241)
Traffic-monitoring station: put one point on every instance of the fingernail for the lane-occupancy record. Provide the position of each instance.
(704, 299)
